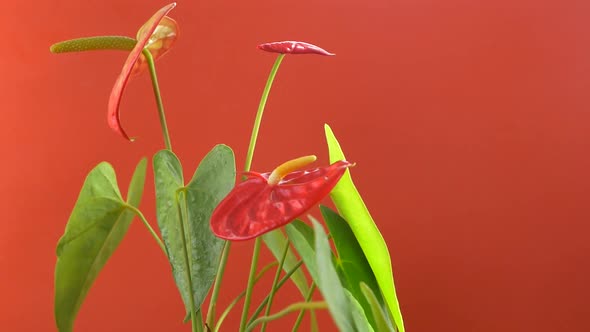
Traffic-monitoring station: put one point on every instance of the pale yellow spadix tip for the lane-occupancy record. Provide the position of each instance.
(288, 167)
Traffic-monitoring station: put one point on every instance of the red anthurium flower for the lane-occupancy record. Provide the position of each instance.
(293, 47)
(157, 36)
(267, 201)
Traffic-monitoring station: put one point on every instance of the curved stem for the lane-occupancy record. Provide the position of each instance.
(240, 296)
(291, 308)
(281, 283)
(148, 226)
(302, 313)
(247, 165)
(156, 87)
(217, 283)
(194, 322)
(250, 286)
(273, 288)
(258, 120)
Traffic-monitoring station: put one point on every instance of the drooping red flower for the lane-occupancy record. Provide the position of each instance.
(267, 201)
(157, 36)
(293, 47)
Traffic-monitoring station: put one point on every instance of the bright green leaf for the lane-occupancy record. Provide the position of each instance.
(96, 226)
(211, 183)
(329, 283)
(351, 258)
(93, 44)
(382, 323)
(275, 241)
(352, 208)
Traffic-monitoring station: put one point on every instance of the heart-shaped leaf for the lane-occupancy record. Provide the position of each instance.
(212, 181)
(97, 225)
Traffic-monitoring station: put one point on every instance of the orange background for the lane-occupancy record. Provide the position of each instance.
(469, 121)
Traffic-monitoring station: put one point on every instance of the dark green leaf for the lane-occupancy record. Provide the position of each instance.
(96, 226)
(212, 181)
(350, 205)
(352, 260)
(329, 283)
(93, 44)
(382, 323)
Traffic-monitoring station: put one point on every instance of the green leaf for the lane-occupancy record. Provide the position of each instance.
(211, 183)
(329, 283)
(358, 314)
(93, 44)
(97, 225)
(352, 208)
(302, 238)
(380, 316)
(352, 260)
(275, 242)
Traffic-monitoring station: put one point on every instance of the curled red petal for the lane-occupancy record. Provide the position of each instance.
(293, 47)
(254, 207)
(121, 82)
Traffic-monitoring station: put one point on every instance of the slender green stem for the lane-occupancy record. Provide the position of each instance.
(156, 87)
(240, 296)
(258, 120)
(248, 163)
(250, 286)
(281, 283)
(194, 322)
(273, 288)
(217, 283)
(302, 313)
(291, 308)
(148, 226)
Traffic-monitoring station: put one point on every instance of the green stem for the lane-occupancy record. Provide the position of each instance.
(291, 308)
(149, 227)
(240, 296)
(248, 163)
(162, 115)
(302, 313)
(256, 128)
(194, 322)
(273, 288)
(281, 283)
(217, 283)
(250, 286)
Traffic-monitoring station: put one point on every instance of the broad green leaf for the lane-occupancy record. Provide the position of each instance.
(302, 238)
(351, 207)
(211, 183)
(275, 242)
(328, 282)
(93, 44)
(97, 225)
(380, 316)
(358, 314)
(351, 259)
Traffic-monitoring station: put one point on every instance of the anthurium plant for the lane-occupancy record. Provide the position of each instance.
(199, 219)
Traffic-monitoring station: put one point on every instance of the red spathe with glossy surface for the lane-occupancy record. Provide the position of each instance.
(293, 47)
(255, 207)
